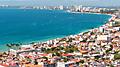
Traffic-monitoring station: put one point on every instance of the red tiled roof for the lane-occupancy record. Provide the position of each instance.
(4, 65)
(84, 51)
(67, 54)
(43, 54)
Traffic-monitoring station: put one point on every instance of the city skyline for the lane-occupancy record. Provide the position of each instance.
(60, 2)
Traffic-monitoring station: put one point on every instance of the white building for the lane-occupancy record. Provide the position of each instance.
(64, 64)
(78, 7)
(101, 29)
(102, 37)
(60, 64)
(61, 7)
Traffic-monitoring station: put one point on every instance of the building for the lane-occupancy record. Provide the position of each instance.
(61, 7)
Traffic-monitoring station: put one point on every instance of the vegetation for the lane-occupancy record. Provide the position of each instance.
(13, 45)
(111, 65)
(117, 56)
(97, 57)
(45, 58)
(107, 51)
(56, 50)
(97, 52)
(70, 40)
(57, 54)
(63, 39)
(64, 59)
(70, 49)
(82, 61)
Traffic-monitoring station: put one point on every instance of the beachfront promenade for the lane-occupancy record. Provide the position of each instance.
(98, 47)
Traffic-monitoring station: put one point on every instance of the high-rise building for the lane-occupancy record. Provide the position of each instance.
(78, 8)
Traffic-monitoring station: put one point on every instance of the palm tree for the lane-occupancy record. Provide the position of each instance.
(8, 45)
(17, 45)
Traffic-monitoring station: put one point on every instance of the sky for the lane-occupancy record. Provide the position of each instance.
(61, 2)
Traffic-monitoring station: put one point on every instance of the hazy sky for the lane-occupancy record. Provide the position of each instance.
(62, 2)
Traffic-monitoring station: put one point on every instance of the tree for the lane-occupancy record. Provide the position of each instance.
(48, 50)
(70, 40)
(65, 59)
(97, 57)
(57, 54)
(8, 45)
(45, 58)
(107, 51)
(82, 61)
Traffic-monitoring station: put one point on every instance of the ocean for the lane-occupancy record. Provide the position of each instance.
(29, 25)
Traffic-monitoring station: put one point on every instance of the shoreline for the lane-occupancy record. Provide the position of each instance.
(49, 39)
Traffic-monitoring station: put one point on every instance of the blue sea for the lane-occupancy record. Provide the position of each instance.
(28, 25)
